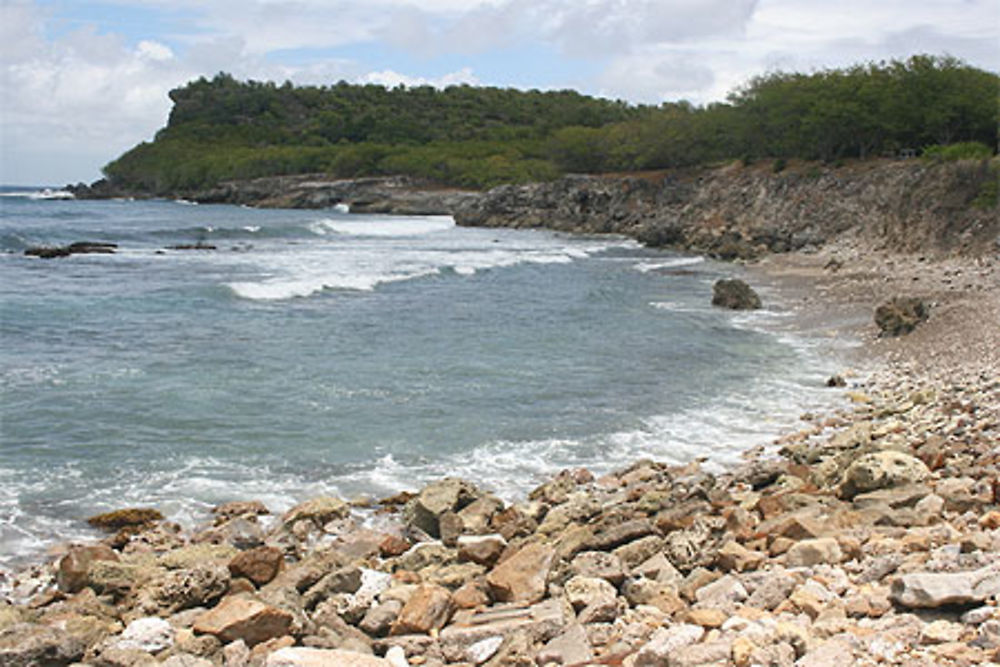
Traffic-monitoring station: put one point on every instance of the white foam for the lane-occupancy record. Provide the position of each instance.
(387, 227)
(647, 267)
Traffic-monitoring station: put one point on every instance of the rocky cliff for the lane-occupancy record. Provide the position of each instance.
(738, 212)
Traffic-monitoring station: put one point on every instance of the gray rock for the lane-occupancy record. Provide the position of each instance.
(150, 634)
(665, 642)
(772, 591)
(570, 647)
(882, 470)
(734, 294)
(901, 315)
(934, 589)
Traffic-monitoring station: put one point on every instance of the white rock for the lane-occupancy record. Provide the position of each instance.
(150, 634)
(483, 650)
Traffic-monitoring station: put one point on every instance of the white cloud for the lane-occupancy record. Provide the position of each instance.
(392, 79)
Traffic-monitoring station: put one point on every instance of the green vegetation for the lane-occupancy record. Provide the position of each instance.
(965, 150)
(223, 129)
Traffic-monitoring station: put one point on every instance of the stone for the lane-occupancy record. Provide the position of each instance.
(424, 510)
(149, 634)
(524, 576)
(319, 511)
(123, 518)
(699, 655)
(570, 647)
(259, 565)
(658, 567)
(733, 556)
(881, 470)
(73, 568)
(27, 645)
(584, 591)
(706, 618)
(483, 650)
(429, 608)
(379, 618)
(665, 642)
(663, 596)
(808, 553)
(598, 564)
(723, 593)
(616, 535)
(472, 594)
(901, 315)
(237, 508)
(734, 294)
(834, 652)
(341, 580)
(299, 656)
(182, 589)
(941, 632)
(772, 591)
(239, 618)
(936, 589)
(481, 549)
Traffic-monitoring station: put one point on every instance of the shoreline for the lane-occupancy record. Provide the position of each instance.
(802, 556)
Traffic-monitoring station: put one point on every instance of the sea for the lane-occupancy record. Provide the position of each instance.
(317, 352)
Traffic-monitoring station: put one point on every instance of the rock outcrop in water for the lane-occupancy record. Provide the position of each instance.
(734, 294)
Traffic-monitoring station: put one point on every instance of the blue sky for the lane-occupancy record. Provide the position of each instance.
(84, 81)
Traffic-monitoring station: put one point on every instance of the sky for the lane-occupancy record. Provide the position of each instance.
(84, 81)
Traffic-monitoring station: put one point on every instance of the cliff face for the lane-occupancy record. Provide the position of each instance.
(740, 212)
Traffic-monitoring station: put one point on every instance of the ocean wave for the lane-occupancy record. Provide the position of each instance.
(387, 227)
(677, 262)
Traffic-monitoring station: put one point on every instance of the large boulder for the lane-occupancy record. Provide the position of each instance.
(882, 470)
(901, 315)
(429, 608)
(734, 294)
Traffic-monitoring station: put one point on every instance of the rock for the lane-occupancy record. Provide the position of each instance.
(73, 568)
(698, 655)
(657, 568)
(834, 652)
(135, 516)
(734, 294)
(481, 549)
(665, 642)
(657, 594)
(733, 556)
(379, 619)
(524, 576)
(934, 589)
(706, 618)
(429, 608)
(259, 565)
(239, 618)
(183, 589)
(901, 315)
(237, 508)
(616, 535)
(483, 650)
(424, 511)
(319, 511)
(774, 590)
(941, 632)
(27, 645)
(298, 656)
(537, 623)
(571, 647)
(722, 593)
(808, 553)
(882, 470)
(150, 634)
(341, 580)
(584, 591)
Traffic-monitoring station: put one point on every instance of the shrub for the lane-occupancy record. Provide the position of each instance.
(966, 150)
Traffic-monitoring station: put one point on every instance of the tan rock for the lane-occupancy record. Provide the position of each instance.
(742, 650)
(524, 576)
(259, 565)
(481, 549)
(239, 618)
(583, 591)
(74, 568)
(298, 656)
(808, 553)
(320, 511)
(733, 556)
(706, 618)
(429, 608)
(471, 595)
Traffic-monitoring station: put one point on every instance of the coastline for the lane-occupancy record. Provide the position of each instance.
(774, 561)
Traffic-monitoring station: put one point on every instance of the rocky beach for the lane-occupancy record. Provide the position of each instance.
(870, 535)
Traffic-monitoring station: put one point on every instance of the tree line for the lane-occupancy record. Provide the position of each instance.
(221, 129)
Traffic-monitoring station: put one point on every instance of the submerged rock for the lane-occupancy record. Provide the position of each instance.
(734, 294)
(133, 516)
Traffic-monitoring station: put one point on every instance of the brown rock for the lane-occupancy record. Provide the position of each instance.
(239, 618)
(240, 508)
(706, 618)
(392, 546)
(524, 576)
(429, 608)
(471, 595)
(320, 511)
(481, 549)
(813, 552)
(74, 567)
(734, 556)
(133, 516)
(259, 565)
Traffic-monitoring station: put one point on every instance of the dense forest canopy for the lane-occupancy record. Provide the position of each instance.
(222, 129)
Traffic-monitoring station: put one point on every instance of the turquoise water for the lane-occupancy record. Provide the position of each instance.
(322, 352)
